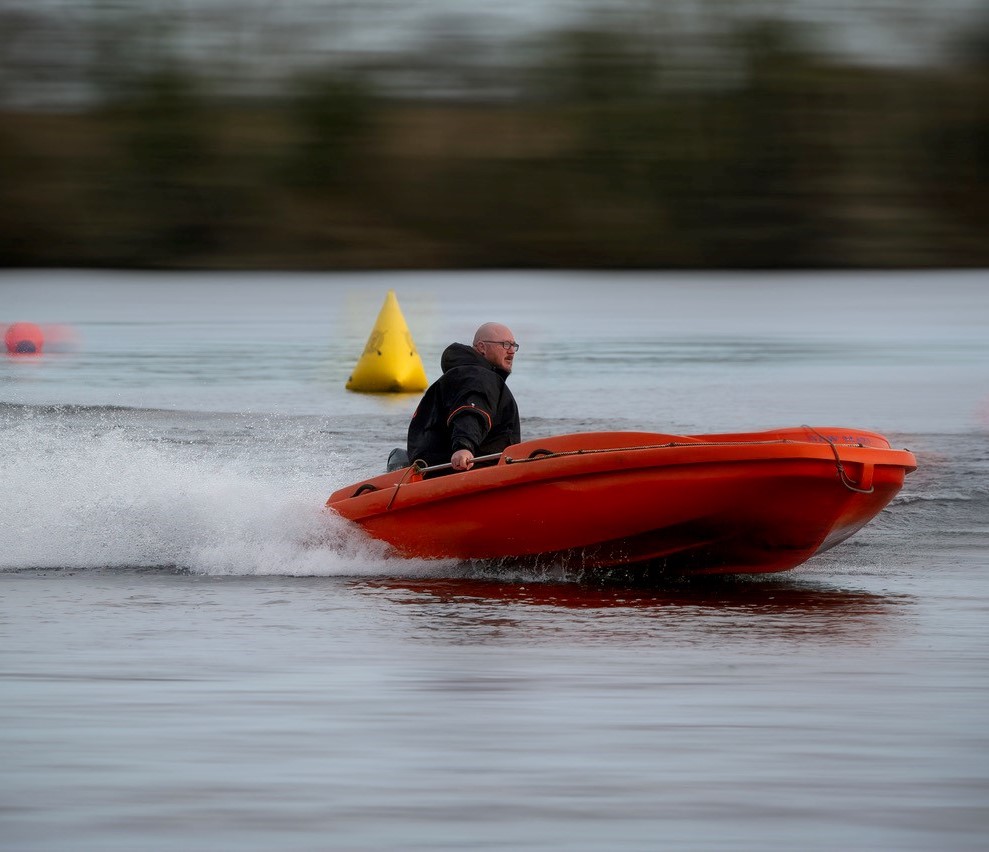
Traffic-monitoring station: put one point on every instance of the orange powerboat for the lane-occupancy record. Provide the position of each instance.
(698, 504)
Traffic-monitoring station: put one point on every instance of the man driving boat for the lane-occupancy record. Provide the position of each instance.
(469, 411)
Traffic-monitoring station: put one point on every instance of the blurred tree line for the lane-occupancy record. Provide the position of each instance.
(599, 147)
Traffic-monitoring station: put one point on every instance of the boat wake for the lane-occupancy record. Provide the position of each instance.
(119, 496)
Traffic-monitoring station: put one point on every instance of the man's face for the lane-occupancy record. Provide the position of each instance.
(499, 350)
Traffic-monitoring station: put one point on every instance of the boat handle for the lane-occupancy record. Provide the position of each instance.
(449, 466)
(417, 467)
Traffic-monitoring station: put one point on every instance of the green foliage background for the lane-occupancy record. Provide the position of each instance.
(601, 154)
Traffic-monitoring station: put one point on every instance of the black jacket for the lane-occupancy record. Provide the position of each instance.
(468, 407)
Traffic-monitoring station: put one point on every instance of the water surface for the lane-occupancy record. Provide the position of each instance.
(193, 655)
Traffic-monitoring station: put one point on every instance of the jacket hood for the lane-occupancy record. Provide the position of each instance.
(462, 355)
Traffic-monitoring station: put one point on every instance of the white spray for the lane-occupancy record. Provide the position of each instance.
(110, 494)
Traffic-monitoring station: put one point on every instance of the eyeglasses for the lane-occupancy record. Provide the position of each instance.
(507, 345)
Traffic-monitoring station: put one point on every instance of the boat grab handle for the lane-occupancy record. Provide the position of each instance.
(418, 466)
(449, 466)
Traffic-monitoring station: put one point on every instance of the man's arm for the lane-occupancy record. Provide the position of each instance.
(470, 419)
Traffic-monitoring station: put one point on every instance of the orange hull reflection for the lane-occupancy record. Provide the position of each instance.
(734, 503)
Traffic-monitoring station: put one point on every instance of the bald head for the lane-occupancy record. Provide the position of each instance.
(492, 331)
(490, 340)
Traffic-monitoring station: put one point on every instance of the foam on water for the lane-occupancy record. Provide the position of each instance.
(119, 496)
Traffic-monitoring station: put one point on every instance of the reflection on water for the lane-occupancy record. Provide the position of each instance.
(683, 612)
(159, 710)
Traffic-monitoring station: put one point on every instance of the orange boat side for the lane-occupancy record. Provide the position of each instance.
(746, 502)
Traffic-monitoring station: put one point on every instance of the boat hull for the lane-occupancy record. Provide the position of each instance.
(749, 503)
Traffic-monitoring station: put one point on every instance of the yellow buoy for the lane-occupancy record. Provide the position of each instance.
(390, 363)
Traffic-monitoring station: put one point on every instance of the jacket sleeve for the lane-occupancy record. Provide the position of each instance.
(472, 411)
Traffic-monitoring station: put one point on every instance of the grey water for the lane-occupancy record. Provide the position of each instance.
(193, 654)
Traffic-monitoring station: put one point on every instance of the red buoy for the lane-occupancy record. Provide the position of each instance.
(24, 338)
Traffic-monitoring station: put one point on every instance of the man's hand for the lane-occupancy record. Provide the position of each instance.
(462, 460)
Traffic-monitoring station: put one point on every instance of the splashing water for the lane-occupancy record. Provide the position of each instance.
(111, 494)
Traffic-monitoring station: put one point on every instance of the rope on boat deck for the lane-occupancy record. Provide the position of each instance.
(538, 455)
(417, 465)
(841, 468)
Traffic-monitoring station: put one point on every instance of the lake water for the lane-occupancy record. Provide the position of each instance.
(193, 655)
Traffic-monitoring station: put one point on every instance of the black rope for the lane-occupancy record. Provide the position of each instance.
(841, 468)
(540, 455)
